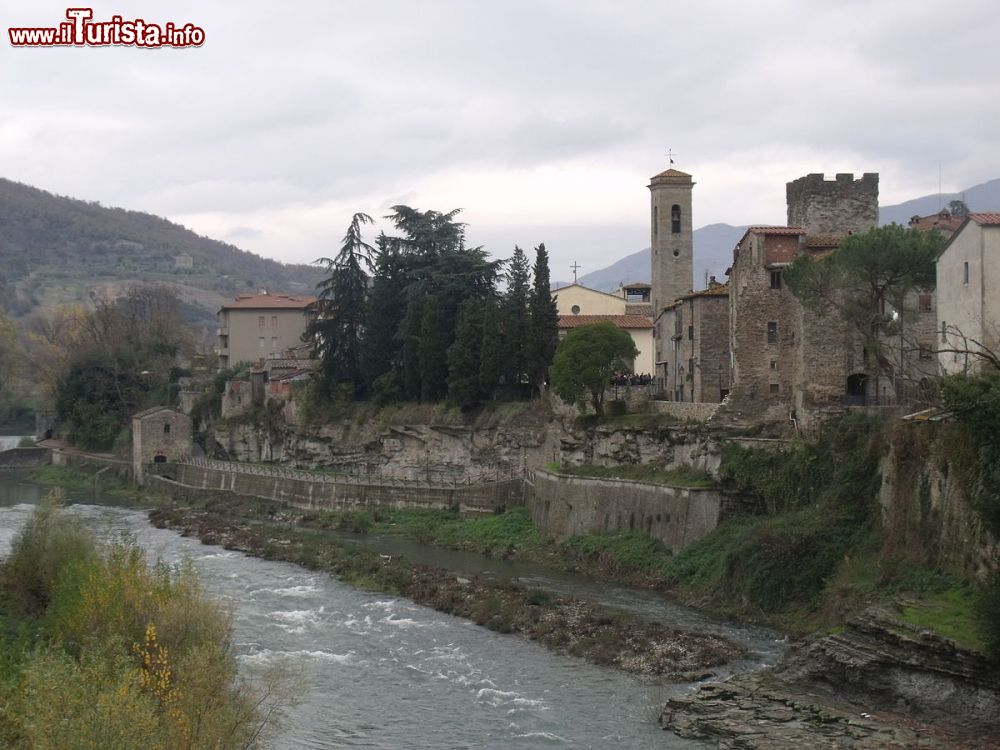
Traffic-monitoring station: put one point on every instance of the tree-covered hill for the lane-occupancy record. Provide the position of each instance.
(55, 249)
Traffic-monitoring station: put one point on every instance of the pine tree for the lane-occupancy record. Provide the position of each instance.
(514, 319)
(382, 350)
(339, 312)
(464, 356)
(544, 335)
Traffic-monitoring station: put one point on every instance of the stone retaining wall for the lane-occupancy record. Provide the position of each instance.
(695, 411)
(565, 506)
(25, 458)
(336, 493)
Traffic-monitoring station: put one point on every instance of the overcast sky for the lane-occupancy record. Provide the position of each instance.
(542, 120)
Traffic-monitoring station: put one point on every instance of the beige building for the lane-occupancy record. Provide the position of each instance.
(577, 299)
(639, 327)
(968, 293)
(255, 325)
(695, 366)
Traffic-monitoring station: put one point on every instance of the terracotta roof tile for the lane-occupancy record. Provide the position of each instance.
(622, 321)
(824, 240)
(671, 173)
(269, 302)
(776, 230)
(988, 219)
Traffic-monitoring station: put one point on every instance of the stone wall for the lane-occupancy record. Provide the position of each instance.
(25, 458)
(697, 412)
(334, 493)
(667, 447)
(565, 506)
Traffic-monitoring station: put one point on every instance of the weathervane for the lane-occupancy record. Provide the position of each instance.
(671, 155)
(575, 267)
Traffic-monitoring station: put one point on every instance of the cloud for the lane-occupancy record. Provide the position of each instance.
(542, 119)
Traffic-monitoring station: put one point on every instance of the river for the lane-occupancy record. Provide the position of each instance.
(385, 673)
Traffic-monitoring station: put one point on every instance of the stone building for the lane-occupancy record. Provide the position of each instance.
(254, 325)
(968, 293)
(695, 367)
(789, 362)
(672, 245)
(159, 435)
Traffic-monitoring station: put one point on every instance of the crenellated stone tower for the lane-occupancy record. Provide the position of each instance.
(671, 237)
(839, 206)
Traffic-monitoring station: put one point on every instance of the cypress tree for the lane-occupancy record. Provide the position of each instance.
(514, 319)
(411, 329)
(464, 356)
(489, 356)
(544, 336)
(433, 351)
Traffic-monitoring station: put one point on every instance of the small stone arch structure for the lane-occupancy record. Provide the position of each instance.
(159, 435)
(857, 388)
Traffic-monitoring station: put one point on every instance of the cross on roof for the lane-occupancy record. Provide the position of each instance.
(575, 267)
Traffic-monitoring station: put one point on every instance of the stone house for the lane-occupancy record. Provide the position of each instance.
(788, 362)
(159, 435)
(696, 366)
(255, 325)
(968, 293)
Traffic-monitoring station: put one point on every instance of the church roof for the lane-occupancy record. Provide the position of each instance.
(621, 321)
(990, 219)
(671, 173)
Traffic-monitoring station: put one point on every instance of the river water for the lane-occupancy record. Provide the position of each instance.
(385, 673)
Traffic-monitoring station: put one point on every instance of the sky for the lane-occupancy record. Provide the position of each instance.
(542, 120)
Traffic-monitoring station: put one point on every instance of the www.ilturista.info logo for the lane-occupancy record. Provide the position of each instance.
(81, 31)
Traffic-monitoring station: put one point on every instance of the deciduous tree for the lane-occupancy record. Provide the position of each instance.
(586, 360)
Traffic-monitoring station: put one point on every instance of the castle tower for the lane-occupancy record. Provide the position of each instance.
(839, 206)
(671, 238)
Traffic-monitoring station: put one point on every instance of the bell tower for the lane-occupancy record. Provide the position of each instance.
(671, 239)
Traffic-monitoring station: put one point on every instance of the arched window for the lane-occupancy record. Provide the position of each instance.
(656, 222)
(675, 219)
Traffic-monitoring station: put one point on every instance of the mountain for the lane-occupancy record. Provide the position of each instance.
(984, 197)
(713, 254)
(59, 250)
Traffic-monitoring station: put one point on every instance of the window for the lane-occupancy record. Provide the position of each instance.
(925, 303)
(274, 342)
(656, 222)
(690, 333)
(965, 272)
(675, 219)
(772, 332)
(260, 321)
(926, 351)
(944, 332)
(260, 342)
(691, 367)
(774, 364)
(775, 388)
(575, 309)
(166, 428)
(776, 279)
(274, 321)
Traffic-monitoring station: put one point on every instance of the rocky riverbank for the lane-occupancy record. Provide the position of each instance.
(565, 624)
(878, 684)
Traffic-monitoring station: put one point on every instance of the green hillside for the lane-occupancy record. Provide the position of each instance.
(61, 250)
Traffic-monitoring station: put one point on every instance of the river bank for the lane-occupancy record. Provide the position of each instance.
(822, 699)
(569, 625)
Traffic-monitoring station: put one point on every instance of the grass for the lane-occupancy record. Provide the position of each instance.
(950, 613)
(682, 476)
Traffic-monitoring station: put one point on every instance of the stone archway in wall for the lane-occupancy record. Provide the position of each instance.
(857, 388)
(159, 458)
